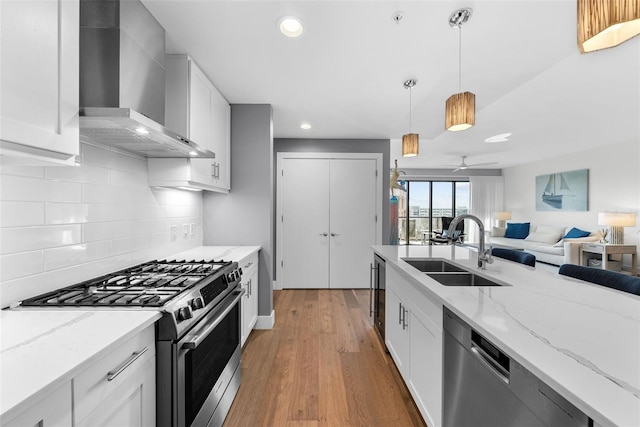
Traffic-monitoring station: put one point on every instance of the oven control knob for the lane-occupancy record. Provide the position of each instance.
(196, 303)
(240, 271)
(232, 276)
(184, 313)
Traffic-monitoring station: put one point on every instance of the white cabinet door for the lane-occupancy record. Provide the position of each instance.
(132, 404)
(425, 379)
(305, 223)
(249, 282)
(328, 221)
(352, 221)
(39, 77)
(195, 107)
(54, 410)
(119, 388)
(221, 137)
(397, 330)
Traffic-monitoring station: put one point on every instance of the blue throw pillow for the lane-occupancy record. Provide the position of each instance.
(576, 233)
(517, 230)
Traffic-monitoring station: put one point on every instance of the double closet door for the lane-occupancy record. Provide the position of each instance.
(328, 220)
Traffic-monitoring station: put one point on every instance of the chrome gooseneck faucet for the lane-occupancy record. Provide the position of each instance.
(484, 255)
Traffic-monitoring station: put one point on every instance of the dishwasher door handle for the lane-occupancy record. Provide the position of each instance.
(489, 363)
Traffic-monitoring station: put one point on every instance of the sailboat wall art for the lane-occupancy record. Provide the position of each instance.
(563, 191)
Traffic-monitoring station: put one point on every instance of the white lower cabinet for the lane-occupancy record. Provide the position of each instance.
(249, 282)
(413, 323)
(54, 410)
(119, 388)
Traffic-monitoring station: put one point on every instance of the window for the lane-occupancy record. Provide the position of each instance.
(421, 208)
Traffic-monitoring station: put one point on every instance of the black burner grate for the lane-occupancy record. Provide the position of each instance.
(151, 284)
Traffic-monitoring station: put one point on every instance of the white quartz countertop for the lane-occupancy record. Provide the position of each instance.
(231, 253)
(581, 339)
(41, 349)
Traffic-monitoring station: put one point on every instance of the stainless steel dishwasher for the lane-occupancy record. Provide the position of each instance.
(483, 386)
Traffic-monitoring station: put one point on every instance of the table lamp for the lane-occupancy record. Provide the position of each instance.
(616, 222)
(501, 218)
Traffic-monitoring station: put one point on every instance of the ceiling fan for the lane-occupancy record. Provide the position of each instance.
(463, 165)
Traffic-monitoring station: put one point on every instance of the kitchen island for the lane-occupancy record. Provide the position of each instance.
(581, 339)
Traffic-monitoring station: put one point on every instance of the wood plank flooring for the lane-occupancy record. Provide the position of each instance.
(321, 365)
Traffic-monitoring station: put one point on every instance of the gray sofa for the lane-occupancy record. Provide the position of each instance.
(546, 243)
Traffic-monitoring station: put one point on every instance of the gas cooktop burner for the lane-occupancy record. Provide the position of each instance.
(151, 284)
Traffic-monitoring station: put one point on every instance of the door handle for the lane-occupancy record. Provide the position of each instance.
(335, 234)
(324, 234)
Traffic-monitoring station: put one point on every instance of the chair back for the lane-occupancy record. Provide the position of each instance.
(610, 279)
(446, 222)
(517, 256)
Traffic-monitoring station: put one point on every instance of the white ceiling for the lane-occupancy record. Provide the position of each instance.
(344, 75)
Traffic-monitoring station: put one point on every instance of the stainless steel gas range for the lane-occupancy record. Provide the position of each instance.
(197, 338)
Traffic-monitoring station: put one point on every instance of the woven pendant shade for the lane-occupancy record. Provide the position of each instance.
(410, 145)
(606, 23)
(460, 111)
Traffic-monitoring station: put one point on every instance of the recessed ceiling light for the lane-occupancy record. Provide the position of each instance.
(305, 126)
(290, 26)
(498, 138)
(193, 153)
(142, 131)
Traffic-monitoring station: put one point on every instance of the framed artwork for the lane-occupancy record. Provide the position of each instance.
(563, 191)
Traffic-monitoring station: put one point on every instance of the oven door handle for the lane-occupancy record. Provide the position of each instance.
(196, 340)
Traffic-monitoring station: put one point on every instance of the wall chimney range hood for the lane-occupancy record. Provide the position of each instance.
(122, 81)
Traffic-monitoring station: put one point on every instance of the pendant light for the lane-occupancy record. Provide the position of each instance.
(410, 140)
(606, 23)
(460, 112)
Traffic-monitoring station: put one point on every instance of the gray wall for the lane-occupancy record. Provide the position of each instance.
(245, 216)
(290, 145)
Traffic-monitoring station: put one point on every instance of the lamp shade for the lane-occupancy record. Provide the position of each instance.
(606, 23)
(617, 219)
(460, 111)
(410, 144)
(502, 216)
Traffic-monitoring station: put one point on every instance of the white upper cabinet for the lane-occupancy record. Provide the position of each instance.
(195, 108)
(39, 79)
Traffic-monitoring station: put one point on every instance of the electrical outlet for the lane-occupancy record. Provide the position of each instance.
(174, 233)
(192, 229)
(185, 231)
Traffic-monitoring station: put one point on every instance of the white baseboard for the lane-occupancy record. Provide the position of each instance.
(266, 322)
(275, 286)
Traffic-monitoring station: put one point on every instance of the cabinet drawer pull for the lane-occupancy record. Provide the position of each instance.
(111, 375)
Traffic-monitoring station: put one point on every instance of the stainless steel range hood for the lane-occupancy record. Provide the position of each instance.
(122, 81)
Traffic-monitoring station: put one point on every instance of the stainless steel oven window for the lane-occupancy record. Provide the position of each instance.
(204, 364)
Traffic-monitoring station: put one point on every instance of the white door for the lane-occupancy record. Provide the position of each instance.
(352, 221)
(328, 222)
(305, 223)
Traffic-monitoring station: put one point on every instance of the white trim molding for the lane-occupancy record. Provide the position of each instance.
(266, 322)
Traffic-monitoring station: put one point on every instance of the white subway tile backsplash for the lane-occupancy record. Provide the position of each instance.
(20, 188)
(129, 244)
(32, 171)
(66, 256)
(106, 265)
(29, 286)
(22, 264)
(128, 179)
(92, 232)
(22, 239)
(62, 225)
(18, 214)
(82, 173)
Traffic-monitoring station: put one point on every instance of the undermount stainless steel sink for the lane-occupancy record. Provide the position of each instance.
(433, 265)
(448, 274)
(463, 279)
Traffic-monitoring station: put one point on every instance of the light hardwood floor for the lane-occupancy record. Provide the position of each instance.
(321, 365)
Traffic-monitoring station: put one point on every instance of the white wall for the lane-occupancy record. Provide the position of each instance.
(60, 225)
(614, 186)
